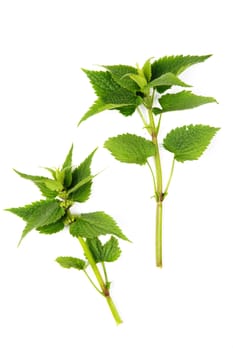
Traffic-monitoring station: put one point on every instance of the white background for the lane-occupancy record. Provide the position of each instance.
(43, 93)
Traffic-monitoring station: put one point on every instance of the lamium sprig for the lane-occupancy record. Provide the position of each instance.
(65, 187)
(145, 90)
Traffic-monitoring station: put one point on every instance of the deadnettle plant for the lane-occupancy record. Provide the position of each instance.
(144, 90)
(56, 211)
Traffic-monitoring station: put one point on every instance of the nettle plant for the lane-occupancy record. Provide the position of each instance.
(145, 90)
(67, 186)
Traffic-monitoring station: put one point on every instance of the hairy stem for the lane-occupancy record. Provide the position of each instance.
(99, 278)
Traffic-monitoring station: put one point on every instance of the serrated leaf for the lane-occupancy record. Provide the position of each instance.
(67, 168)
(180, 101)
(127, 110)
(79, 174)
(167, 79)
(39, 214)
(111, 250)
(175, 65)
(52, 228)
(69, 262)
(83, 182)
(130, 148)
(96, 248)
(95, 224)
(120, 75)
(41, 182)
(108, 90)
(98, 107)
(108, 252)
(189, 142)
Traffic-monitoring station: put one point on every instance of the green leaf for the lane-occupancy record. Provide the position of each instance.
(127, 110)
(110, 251)
(98, 107)
(69, 262)
(189, 142)
(83, 182)
(96, 248)
(95, 224)
(39, 214)
(130, 148)
(80, 175)
(181, 100)
(147, 70)
(42, 183)
(52, 228)
(139, 80)
(108, 90)
(53, 185)
(67, 168)
(175, 64)
(167, 79)
(120, 74)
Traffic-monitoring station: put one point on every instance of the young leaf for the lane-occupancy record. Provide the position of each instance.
(167, 79)
(96, 248)
(39, 214)
(181, 100)
(120, 75)
(67, 168)
(175, 64)
(81, 194)
(147, 70)
(110, 251)
(52, 228)
(139, 80)
(130, 148)
(95, 224)
(42, 183)
(69, 262)
(189, 142)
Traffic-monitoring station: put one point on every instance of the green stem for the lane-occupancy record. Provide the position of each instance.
(142, 117)
(170, 177)
(100, 280)
(153, 177)
(105, 272)
(159, 194)
(159, 250)
(90, 280)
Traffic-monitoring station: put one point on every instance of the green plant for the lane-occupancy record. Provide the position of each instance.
(129, 89)
(67, 186)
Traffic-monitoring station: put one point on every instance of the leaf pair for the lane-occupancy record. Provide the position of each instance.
(186, 142)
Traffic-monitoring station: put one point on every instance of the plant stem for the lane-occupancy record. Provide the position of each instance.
(103, 287)
(159, 218)
(170, 177)
(159, 193)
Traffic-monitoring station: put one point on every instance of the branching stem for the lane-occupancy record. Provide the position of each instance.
(104, 290)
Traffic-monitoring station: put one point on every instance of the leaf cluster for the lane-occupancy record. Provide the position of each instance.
(146, 88)
(66, 186)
